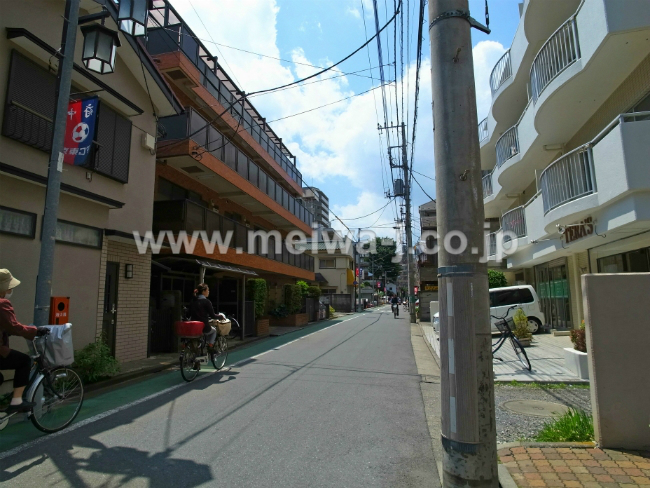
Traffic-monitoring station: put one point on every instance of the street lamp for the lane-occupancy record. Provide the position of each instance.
(132, 16)
(100, 46)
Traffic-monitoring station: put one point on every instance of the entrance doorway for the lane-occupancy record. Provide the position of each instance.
(553, 290)
(109, 323)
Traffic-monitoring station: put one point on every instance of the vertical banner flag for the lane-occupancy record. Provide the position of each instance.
(79, 130)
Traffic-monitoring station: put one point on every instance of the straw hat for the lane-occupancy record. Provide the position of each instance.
(7, 282)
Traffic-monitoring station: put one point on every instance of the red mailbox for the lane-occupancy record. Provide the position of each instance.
(59, 310)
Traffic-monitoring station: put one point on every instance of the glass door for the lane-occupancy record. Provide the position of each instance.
(552, 287)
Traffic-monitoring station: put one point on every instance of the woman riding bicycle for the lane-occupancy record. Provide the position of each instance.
(201, 310)
(9, 358)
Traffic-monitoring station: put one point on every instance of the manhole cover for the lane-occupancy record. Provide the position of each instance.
(535, 407)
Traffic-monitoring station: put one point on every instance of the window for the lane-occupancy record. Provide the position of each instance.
(510, 297)
(327, 263)
(637, 261)
(17, 222)
(642, 106)
(77, 234)
(170, 191)
(113, 144)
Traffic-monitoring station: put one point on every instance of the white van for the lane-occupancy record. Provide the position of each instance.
(501, 299)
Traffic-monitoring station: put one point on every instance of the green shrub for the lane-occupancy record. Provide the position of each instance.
(293, 298)
(94, 362)
(314, 292)
(279, 312)
(258, 292)
(573, 426)
(497, 279)
(332, 311)
(521, 325)
(304, 288)
(579, 338)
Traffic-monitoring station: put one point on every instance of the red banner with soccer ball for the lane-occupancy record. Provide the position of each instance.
(80, 131)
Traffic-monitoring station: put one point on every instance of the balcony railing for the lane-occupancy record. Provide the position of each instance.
(168, 33)
(515, 222)
(570, 177)
(188, 216)
(501, 72)
(559, 52)
(212, 141)
(487, 185)
(507, 146)
(492, 244)
(483, 130)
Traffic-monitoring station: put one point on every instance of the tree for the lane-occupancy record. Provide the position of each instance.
(496, 279)
(382, 261)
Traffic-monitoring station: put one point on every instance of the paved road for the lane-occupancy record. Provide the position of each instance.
(341, 407)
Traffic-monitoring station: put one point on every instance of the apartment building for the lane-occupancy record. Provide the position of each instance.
(566, 145)
(97, 264)
(318, 204)
(427, 264)
(220, 168)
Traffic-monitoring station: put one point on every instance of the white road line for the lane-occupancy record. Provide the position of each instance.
(115, 410)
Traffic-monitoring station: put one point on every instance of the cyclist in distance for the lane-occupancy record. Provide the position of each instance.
(9, 358)
(201, 310)
(395, 303)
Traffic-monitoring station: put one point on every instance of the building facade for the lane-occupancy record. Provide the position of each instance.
(221, 169)
(318, 204)
(566, 147)
(427, 264)
(97, 264)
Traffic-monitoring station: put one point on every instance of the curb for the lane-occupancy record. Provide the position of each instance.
(429, 346)
(577, 445)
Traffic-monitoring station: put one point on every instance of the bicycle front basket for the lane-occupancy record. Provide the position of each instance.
(503, 325)
(57, 348)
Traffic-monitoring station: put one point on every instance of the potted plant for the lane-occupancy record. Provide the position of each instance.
(576, 358)
(258, 291)
(521, 331)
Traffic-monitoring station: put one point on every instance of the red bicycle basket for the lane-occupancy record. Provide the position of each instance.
(189, 329)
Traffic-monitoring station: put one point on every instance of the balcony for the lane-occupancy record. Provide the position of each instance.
(568, 178)
(559, 52)
(507, 146)
(188, 216)
(501, 72)
(168, 33)
(210, 144)
(483, 132)
(514, 221)
(487, 185)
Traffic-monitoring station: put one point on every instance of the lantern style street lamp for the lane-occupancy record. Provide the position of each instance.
(100, 46)
(132, 16)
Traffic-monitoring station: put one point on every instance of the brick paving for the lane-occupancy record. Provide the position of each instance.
(573, 467)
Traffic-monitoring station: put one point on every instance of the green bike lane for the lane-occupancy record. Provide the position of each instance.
(100, 404)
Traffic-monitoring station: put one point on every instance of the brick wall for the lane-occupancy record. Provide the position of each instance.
(132, 299)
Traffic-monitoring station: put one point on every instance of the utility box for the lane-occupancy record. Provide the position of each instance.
(398, 188)
(59, 310)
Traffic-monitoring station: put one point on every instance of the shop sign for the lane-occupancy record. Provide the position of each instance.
(579, 230)
(430, 287)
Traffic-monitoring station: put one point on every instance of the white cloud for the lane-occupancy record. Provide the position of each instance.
(486, 54)
(354, 12)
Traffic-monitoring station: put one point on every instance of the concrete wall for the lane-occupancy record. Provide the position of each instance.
(617, 312)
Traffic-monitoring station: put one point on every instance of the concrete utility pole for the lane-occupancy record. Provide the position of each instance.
(467, 387)
(409, 233)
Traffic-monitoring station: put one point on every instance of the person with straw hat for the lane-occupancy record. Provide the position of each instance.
(9, 358)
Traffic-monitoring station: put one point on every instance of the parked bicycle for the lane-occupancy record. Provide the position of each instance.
(503, 325)
(194, 349)
(57, 392)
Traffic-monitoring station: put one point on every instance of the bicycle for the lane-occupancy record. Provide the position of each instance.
(235, 330)
(193, 354)
(506, 333)
(395, 308)
(58, 393)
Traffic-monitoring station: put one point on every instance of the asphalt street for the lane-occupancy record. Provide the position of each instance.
(338, 407)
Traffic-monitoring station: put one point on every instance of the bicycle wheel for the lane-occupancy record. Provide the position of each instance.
(235, 329)
(521, 353)
(58, 396)
(220, 354)
(187, 361)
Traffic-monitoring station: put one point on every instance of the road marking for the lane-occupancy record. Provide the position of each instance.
(108, 413)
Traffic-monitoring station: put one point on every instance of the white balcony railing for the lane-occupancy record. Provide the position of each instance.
(492, 244)
(507, 146)
(559, 52)
(487, 185)
(514, 221)
(483, 130)
(501, 72)
(568, 178)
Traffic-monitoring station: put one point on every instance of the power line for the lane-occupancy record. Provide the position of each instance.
(417, 81)
(422, 174)
(415, 179)
(364, 216)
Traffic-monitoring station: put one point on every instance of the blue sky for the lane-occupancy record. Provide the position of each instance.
(338, 148)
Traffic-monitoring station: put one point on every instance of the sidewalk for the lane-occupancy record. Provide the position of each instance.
(576, 467)
(546, 357)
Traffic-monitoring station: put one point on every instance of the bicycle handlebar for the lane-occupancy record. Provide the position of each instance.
(506, 315)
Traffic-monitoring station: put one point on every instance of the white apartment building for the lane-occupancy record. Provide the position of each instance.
(566, 147)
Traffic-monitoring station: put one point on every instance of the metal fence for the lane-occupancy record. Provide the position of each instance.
(570, 177)
(514, 221)
(483, 130)
(501, 72)
(560, 51)
(507, 146)
(487, 185)
(341, 302)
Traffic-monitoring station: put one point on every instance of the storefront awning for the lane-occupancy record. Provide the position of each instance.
(225, 267)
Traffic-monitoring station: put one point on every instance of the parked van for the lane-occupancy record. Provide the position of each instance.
(501, 299)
